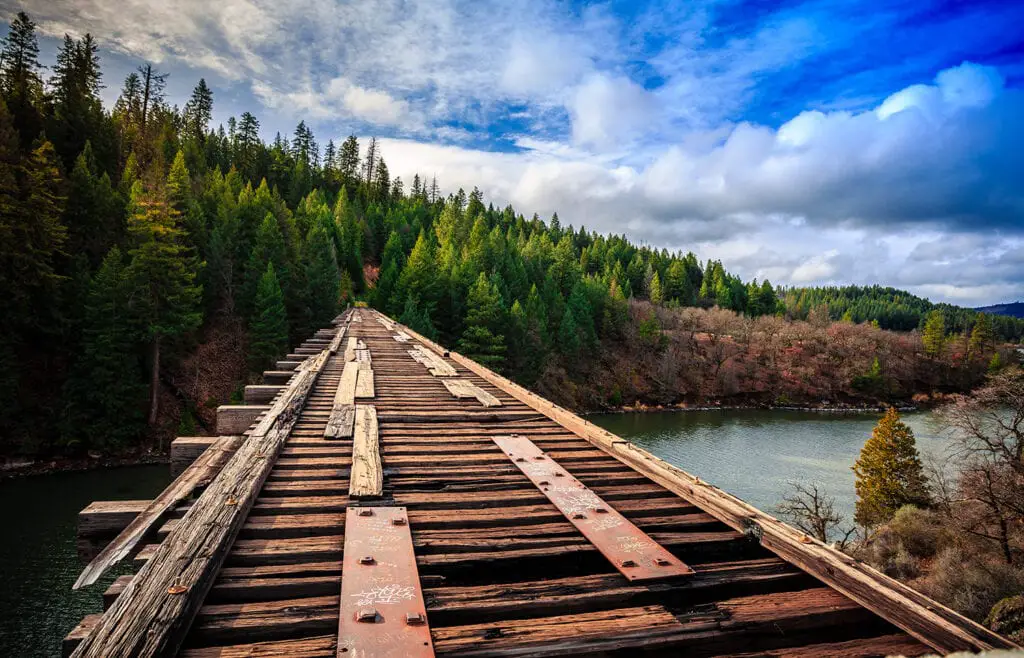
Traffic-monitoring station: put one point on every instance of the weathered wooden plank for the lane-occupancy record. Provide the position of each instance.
(201, 471)
(350, 349)
(237, 418)
(109, 517)
(364, 383)
(277, 376)
(346, 393)
(341, 424)
(367, 477)
(437, 366)
(463, 388)
(153, 613)
(923, 618)
(79, 633)
(262, 393)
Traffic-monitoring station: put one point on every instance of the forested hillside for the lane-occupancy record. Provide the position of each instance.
(152, 263)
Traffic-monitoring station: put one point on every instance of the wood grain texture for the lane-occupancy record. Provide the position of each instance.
(463, 389)
(367, 476)
(201, 471)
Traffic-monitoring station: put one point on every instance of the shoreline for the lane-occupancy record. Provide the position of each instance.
(11, 469)
(683, 408)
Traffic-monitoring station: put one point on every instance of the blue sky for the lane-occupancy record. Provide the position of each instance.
(813, 142)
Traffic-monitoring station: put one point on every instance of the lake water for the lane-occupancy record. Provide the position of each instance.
(755, 453)
(38, 559)
(750, 453)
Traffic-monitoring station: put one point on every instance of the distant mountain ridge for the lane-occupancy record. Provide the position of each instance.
(1012, 309)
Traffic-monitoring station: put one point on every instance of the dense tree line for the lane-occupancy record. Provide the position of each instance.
(892, 309)
(128, 234)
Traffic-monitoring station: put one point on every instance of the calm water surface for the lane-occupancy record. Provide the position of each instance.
(750, 453)
(754, 453)
(38, 560)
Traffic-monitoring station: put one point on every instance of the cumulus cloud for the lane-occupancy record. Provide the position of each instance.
(640, 124)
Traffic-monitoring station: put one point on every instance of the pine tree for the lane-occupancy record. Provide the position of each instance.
(569, 343)
(20, 82)
(32, 236)
(94, 213)
(889, 472)
(485, 316)
(199, 112)
(654, 293)
(164, 276)
(105, 397)
(981, 335)
(934, 335)
(270, 248)
(322, 279)
(268, 328)
(419, 277)
(348, 162)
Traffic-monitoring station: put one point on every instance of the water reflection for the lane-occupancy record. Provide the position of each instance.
(38, 557)
(755, 453)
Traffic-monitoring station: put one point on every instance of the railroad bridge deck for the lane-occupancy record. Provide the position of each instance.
(244, 555)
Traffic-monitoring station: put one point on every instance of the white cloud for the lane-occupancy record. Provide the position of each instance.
(607, 110)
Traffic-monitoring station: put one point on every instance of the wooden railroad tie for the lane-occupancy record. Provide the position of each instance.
(463, 388)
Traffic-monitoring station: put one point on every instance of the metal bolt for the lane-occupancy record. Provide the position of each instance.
(231, 501)
(579, 515)
(398, 521)
(539, 457)
(520, 459)
(367, 615)
(662, 562)
(368, 559)
(559, 475)
(628, 563)
(415, 618)
(366, 512)
(600, 510)
(543, 483)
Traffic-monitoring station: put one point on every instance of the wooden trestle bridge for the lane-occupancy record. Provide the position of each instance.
(380, 496)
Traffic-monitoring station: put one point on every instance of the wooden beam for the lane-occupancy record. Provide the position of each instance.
(350, 349)
(366, 479)
(108, 517)
(346, 393)
(925, 619)
(262, 393)
(200, 472)
(341, 424)
(287, 365)
(154, 612)
(463, 389)
(237, 418)
(277, 376)
(186, 449)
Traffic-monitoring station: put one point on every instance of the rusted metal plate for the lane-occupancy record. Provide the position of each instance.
(635, 554)
(382, 613)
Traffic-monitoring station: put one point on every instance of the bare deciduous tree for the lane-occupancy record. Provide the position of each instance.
(812, 510)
